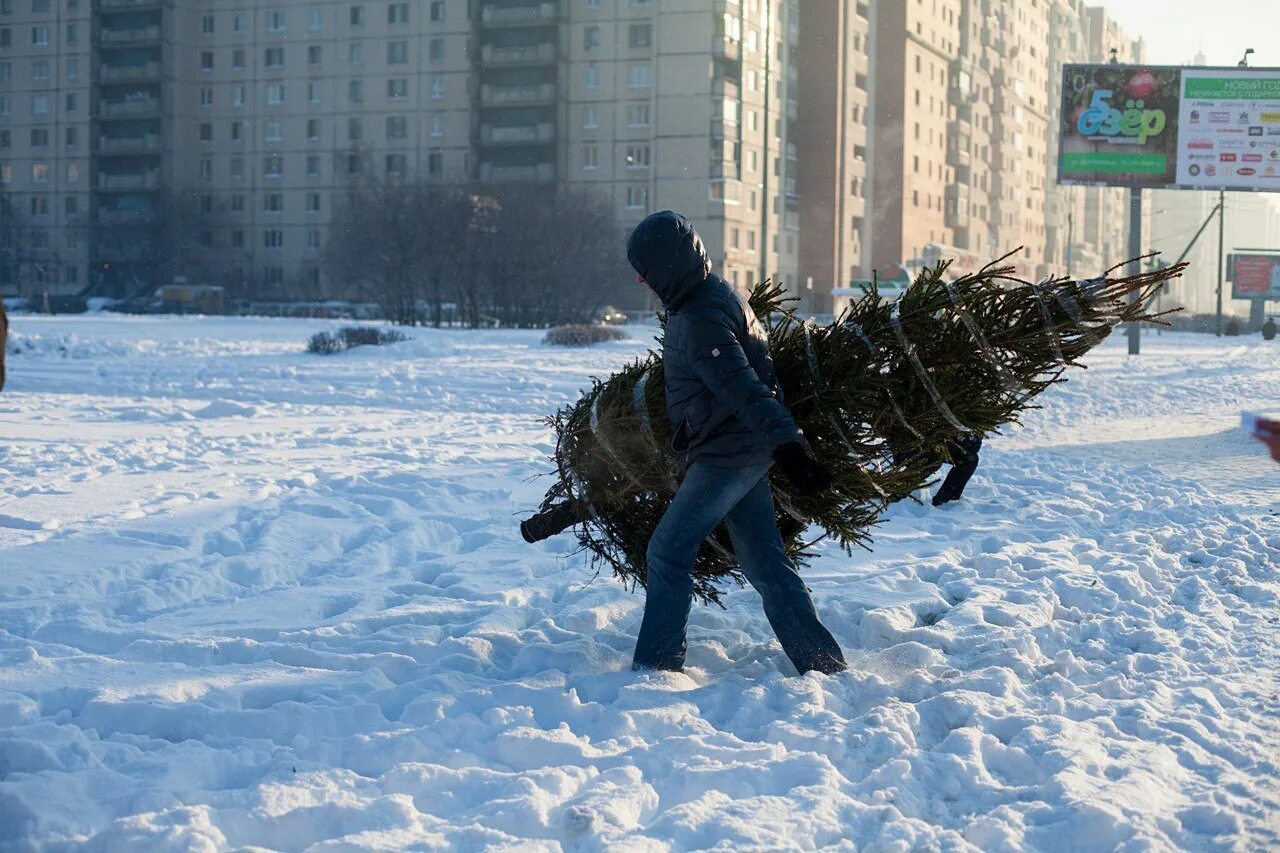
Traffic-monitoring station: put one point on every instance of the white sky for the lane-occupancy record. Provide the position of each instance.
(1176, 29)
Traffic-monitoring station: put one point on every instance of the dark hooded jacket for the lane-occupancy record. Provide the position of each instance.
(723, 399)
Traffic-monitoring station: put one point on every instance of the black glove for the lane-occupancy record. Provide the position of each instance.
(808, 475)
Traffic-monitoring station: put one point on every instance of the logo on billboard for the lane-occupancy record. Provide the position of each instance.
(1226, 158)
(1255, 131)
(1135, 121)
(1251, 158)
(1198, 144)
(1219, 118)
(1193, 170)
(1210, 170)
(1246, 170)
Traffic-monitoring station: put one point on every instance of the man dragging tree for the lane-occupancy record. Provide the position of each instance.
(729, 427)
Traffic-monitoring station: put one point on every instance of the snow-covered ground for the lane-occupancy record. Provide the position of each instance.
(250, 596)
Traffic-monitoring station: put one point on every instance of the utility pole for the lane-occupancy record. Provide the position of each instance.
(1222, 218)
(1135, 268)
(1071, 238)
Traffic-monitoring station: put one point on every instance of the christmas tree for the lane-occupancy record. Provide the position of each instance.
(877, 393)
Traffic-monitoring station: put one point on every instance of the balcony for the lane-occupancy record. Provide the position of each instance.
(146, 72)
(518, 134)
(137, 108)
(533, 93)
(126, 5)
(728, 49)
(129, 181)
(494, 173)
(129, 38)
(534, 15)
(129, 145)
(123, 217)
(531, 54)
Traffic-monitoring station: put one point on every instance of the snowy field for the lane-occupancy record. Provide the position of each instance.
(253, 597)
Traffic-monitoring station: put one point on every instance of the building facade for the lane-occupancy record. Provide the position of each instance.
(252, 119)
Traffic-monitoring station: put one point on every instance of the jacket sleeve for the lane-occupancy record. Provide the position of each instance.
(718, 360)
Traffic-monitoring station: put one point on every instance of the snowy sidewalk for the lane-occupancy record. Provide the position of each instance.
(256, 597)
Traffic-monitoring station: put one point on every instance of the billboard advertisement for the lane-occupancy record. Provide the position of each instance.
(1170, 127)
(1254, 275)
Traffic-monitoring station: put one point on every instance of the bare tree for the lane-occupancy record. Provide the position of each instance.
(175, 236)
(503, 255)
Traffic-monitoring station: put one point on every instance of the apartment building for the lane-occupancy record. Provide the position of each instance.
(832, 147)
(691, 106)
(261, 115)
(45, 141)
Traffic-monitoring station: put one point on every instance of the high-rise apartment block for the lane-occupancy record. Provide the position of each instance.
(812, 142)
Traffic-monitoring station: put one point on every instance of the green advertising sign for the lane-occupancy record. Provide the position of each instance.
(1119, 125)
(1220, 88)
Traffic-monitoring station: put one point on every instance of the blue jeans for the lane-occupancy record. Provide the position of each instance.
(742, 499)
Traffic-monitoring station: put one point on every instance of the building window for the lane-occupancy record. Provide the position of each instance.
(639, 77)
(275, 93)
(237, 59)
(435, 162)
(639, 35)
(206, 60)
(397, 127)
(591, 77)
(206, 169)
(313, 55)
(275, 22)
(206, 96)
(637, 115)
(637, 197)
(237, 168)
(273, 203)
(39, 137)
(435, 50)
(237, 131)
(590, 157)
(437, 88)
(73, 68)
(397, 52)
(73, 33)
(72, 138)
(437, 11)
(73, 172)
(638, 156)
(39, 205)
(398, 13)
(237, 24)
(315, 19)
(39, 105)
(313, 166)
(357, 16)
(353, 165)
(273, 276)
(590, 120)
(274, 57)
(40, 69)
(395, 165)
(313, 202)
(591, 37)
(313, 92)
(272, 166)
(355, 130)
(313, 130)
(273, 131)
(397, 89)
(237, 204)
(313, 242)
(237, 239)
(39, 35)
(206, 25)
(72, 102)
(206, 131)
(273, 238)
(238, 96)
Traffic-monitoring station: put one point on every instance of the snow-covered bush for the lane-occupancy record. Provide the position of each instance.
(328, 343)
(582, 335)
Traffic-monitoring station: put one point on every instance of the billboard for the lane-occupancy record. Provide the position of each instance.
(1170, 127)
(1254, 275)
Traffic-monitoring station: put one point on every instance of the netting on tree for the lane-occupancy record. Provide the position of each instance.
(877, 393)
